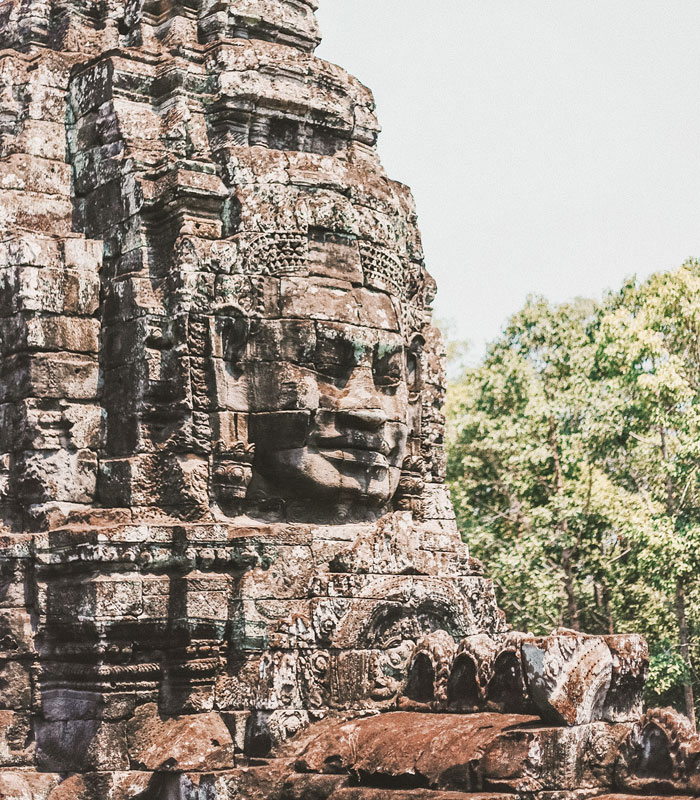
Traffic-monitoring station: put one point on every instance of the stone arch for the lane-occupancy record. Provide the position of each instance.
(420, 681)
(506, 690)
(471, 672)
(463, 687)
(429, 668)
(661, 755)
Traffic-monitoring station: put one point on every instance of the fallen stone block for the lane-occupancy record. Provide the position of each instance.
(304, 786)
(16, 747)
(661, 755)
(102, 786)
(81, 745)
(427, 750)
(630, 655)
(568, 676)
(193, 742)
(26, 785)
(537, 758)
(368, 793)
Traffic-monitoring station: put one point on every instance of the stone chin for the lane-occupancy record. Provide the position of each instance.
(346, 474)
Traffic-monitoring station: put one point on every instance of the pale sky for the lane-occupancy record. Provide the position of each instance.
(553, 146)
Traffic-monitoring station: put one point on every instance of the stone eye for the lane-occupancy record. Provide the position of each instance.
(338, 372)
(388, 367)
(334, 359)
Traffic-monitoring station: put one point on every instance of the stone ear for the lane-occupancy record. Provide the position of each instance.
(414, 365)
(235, 332)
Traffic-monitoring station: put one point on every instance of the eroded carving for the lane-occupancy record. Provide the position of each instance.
(222, 465)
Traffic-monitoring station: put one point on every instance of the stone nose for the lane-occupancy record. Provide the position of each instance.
(360, 399)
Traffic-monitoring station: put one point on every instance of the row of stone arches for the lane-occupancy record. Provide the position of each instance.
(479, 673)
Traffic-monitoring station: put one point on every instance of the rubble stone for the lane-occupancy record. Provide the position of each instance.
(662, 754)
(439, 752)
(196, 742)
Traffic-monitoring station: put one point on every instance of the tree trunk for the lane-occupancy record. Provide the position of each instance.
(571, 604)
(566, 561)
(685, 650)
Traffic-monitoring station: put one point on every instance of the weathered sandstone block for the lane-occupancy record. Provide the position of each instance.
(569, 676)
(195, 742)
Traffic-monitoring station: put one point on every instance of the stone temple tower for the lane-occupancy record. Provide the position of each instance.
(225, 531)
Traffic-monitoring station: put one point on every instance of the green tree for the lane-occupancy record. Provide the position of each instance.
(573, 465)
(649, 355)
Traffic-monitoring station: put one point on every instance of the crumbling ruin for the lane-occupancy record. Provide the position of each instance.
(229, 565)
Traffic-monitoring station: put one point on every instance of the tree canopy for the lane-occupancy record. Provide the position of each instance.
(574, 465)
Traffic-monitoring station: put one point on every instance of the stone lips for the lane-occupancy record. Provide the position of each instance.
(225, 523)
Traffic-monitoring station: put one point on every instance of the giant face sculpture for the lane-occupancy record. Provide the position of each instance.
(334, 422)
(332, 404)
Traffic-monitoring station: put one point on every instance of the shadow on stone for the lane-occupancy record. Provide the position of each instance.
(463, 687)
(420, 685)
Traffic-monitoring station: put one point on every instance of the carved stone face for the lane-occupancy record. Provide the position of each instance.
(387, 669)
(330, 401)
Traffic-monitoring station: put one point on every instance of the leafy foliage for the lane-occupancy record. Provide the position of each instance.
(574, 464)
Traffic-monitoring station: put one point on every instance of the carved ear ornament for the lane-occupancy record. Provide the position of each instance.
(414, 464)
(409, 495)
(232, 471)
(239, 452)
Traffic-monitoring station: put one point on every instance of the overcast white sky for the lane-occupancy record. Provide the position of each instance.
(553, 146)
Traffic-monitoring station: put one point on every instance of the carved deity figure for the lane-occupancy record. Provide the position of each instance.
(326, 383)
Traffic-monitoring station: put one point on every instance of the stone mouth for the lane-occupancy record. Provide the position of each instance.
(354, 442)
(356, 455)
